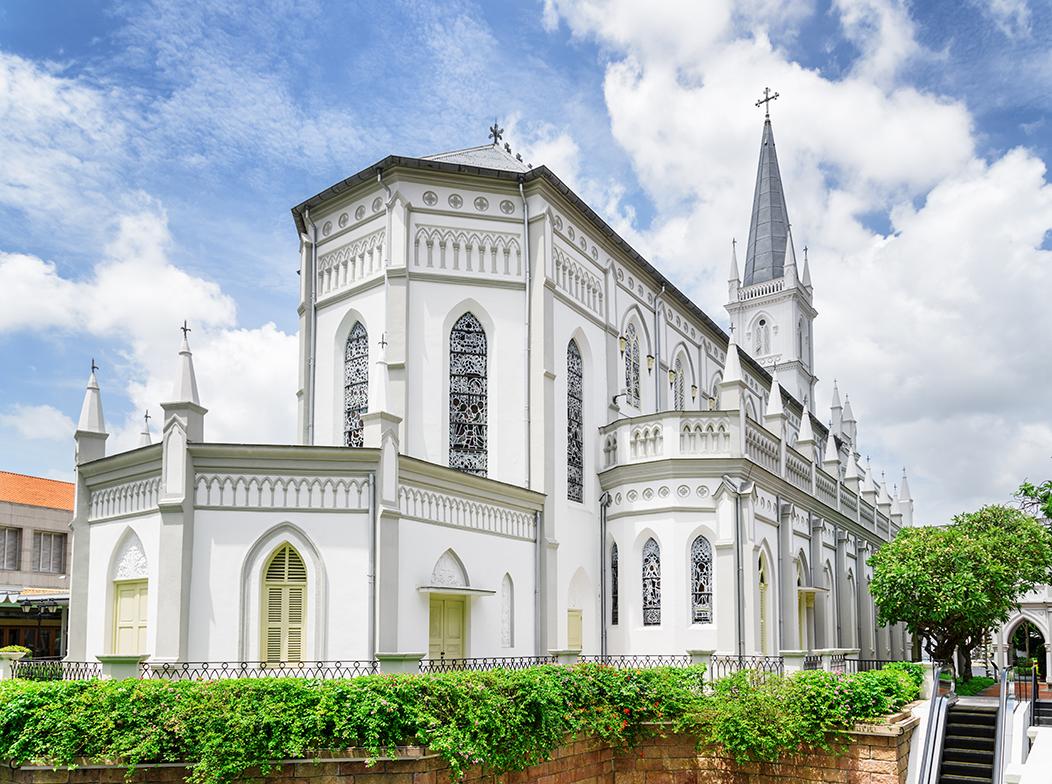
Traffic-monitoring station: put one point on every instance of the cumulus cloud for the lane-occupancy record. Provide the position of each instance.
(34, 423)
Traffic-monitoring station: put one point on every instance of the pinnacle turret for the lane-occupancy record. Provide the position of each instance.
(184, 390)
(91, 419)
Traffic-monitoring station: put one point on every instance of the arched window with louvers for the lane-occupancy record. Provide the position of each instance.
(355, 384)
(701, 581)
(284, 606)
(651, 583)
(574, 423)
(468, 396)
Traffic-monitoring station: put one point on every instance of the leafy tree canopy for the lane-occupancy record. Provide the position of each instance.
(1036, 499)
(950, 584)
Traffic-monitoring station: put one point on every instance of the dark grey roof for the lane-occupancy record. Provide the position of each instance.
(769, 227)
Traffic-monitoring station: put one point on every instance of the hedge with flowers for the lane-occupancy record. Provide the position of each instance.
(506, 720)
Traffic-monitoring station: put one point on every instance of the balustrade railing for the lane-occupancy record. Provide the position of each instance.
(812, 662)
(214, 671)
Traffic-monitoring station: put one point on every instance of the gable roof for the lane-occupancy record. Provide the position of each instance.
(486, 156)
(36, 491)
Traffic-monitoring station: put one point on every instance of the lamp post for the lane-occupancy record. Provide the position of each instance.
(44, 610)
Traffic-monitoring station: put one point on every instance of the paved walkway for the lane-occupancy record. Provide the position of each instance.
(1044, 692)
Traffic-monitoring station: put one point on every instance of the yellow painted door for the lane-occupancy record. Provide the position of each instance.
(574, 630)
(129, 617)
(446, 627)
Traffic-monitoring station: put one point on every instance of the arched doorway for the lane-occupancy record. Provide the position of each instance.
(1026, 644)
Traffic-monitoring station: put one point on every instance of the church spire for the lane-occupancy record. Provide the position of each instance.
(91, 429)
(735, 277)
(769, 227)
(185, 388)
(144, 434)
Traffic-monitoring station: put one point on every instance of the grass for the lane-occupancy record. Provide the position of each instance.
(974, 686)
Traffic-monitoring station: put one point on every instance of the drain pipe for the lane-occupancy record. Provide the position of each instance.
(781, 574)
(537, 587)
(312, 368)
(380, 179)
(860, 574)
(657, 352)
(526, 259)
(604, 502)
(739, 558)
(372, 567)
(836, 582)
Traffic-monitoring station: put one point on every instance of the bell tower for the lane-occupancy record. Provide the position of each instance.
(771, 307)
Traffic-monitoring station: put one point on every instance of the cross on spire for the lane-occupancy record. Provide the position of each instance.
(383, 340)
(147, 418)
(94, 367)
(496, 133)
(766, 101)
(185, 328)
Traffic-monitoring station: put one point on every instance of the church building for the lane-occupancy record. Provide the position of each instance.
(515, 436)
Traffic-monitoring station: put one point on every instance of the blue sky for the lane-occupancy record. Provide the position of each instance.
(151, 152)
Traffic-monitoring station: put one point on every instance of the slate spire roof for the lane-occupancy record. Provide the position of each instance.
(769, 227)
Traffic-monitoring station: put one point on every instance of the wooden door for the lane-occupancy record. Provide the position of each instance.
(574, 630)
(446, 627)
(129, 617)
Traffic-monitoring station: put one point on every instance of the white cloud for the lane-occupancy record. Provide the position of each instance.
(35, 423)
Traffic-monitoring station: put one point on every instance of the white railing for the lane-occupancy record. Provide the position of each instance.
(797, 470)
(431, 507)
(128, 498)
(761, 289)
(761, 446)
(667, 434)
(281, 492)
(825, 488)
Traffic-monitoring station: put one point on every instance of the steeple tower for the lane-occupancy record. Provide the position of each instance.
(771, 306)
(91, 432)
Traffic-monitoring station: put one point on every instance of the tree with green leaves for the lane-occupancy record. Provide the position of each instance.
(1036, 499)
(950, 584)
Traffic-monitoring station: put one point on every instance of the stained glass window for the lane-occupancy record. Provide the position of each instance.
(613, 585)
(651, 583)
(701, 581)
(467, 396)
(632, 366)
(574, 423)
(679, 389)
(355, 384)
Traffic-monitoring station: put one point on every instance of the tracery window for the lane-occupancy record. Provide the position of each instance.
(651, 583)
(800, 340)
(632, 366)
(467, 396)
(679, 389)
(714, 399)
(701, 581)
(355, 384)
(613, 585)
(574, 423)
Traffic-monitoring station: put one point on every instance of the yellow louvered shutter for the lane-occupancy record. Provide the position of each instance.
(284, 606)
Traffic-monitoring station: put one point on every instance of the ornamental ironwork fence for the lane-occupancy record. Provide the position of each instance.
(639, 661)
(214, 671)
(432, 666)
(866, 665)
(728, 665)
(55, 670)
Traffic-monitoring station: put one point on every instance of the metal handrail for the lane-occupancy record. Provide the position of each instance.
(932, 757)
(1004, 721)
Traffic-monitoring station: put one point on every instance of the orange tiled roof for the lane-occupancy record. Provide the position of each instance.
(35, 491)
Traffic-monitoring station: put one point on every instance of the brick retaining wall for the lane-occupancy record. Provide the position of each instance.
(874, 754)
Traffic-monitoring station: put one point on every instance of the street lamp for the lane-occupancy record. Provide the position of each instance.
(44, 610)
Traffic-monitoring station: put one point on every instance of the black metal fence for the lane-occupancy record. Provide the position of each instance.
(728, 665)
(55, 670)
(812, 662)
(637, 661)
(213, 671)
(866, 665)
(483, 664)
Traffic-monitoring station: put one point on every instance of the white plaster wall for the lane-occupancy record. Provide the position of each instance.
(222, 541)
(486, 559)
(106, 538)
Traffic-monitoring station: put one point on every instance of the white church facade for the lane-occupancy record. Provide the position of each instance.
(515, 436)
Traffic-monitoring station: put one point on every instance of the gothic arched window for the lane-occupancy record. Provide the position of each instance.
(632, 365)
(679, 388)
(467, 396)
(714, 399)
(613, 585)
(284, 618)
(800, 340)
(763, 337)
(574, 423)
(701, 581)
(761, 568)
(651, 583)
(355, 384)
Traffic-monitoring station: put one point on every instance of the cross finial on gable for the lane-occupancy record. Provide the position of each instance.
(185, 328)
(383, 340)
(496, 133)
(766, 101)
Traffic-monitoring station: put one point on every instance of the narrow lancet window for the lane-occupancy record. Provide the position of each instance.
(701, 581)
(355, 384)
(651, 584)
(468, 396)
(574, 423)
(632, 366)
(679, 387)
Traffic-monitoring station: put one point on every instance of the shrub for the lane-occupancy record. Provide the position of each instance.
(16, 649)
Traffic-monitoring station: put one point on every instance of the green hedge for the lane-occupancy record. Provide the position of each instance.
(504, 719)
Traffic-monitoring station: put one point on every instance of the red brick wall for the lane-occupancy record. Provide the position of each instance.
(872, 755)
